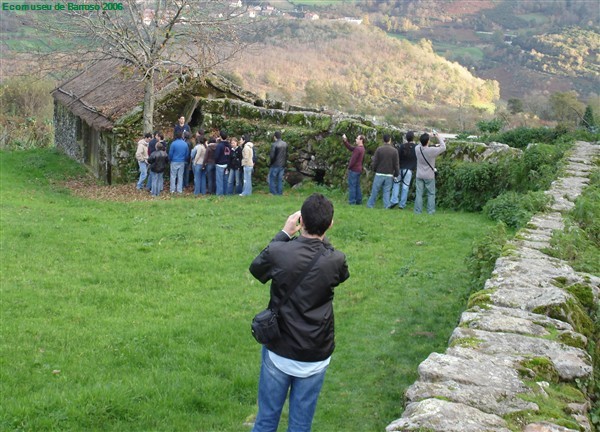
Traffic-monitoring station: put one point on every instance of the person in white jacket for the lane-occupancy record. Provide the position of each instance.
(141, 155)
(247, 164)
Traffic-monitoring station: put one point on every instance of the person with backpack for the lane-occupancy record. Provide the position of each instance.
(426, 171)
(408, 163)
(234, 183)
(248, 161)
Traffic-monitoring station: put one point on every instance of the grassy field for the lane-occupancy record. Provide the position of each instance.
(135, 316)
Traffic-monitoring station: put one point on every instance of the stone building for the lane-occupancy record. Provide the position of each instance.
(98, 113)
(98, 121)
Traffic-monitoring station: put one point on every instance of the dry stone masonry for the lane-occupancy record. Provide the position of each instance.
(523, 331)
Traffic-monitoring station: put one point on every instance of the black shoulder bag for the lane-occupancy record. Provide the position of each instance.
(435, 171)
(265, 327)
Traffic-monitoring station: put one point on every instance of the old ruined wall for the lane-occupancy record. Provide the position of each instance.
(65, 132)
(519, 358)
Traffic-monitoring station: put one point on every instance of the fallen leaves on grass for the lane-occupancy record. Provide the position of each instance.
(90, 189)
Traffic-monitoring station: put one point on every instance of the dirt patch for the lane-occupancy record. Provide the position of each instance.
(90, 189)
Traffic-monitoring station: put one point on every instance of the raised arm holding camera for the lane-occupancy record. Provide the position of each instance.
(298, 359)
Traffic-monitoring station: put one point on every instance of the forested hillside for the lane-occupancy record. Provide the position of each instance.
(359, 69)
(528, 46)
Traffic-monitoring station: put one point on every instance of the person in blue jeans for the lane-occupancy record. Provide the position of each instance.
(222, 156)
(426, 171)
(408, 164)
(355, 168)
(141, 155)
(247, 164)
(296, 362)
(386, 166)
(278, 159)
(209, 162)
(179, 155)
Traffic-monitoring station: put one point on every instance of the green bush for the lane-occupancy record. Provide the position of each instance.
(515, 209)
(482, 259)
(521, 137)
(538, 166)
(468, 186)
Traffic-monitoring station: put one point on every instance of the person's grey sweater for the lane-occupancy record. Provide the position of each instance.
(424, 171)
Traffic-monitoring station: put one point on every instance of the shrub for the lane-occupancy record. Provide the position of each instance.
(26, 118)
(521, 137)
(468, 186)
(538, 166)
(482, 259)
(515, 209)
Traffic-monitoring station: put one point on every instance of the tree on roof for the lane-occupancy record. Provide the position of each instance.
(155, 37)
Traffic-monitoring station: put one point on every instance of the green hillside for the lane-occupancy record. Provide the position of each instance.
(358, 69)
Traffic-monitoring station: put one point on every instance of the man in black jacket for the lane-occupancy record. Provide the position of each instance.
(297, 361)
(278, 159)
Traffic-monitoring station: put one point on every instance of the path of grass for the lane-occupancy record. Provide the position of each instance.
(135, 316)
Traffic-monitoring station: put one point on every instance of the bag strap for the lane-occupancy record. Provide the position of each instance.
(298, 281)
(432, 169)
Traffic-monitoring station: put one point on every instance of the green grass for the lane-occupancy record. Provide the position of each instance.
(459, 51)
(136, 316)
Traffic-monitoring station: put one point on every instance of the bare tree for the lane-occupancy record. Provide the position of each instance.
(155, 36)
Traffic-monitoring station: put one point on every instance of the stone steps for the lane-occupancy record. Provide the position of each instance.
(490, 363)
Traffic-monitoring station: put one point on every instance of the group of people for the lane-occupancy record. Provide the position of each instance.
(219, 164)
(394, 167)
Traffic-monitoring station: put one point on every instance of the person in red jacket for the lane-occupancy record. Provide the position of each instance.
(355, 167)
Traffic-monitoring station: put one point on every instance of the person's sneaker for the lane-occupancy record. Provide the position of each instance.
(393, 205)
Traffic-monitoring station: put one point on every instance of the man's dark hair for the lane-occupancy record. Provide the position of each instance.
(161, 136)
(155, 133)
(246, 137)
(178, 134)
(387, 138)
(223, 134)
(317, 214)
(148, 135)
(278, 135)
(424, 139)
(212, 140)
(410, 136)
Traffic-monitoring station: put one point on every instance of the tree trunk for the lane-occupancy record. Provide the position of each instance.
(148, 115)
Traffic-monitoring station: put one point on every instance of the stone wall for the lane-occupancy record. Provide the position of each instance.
(65, 130)
(521, 345)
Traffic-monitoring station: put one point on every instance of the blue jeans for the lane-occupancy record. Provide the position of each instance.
(354, 192)
(143, 174)
(247, 180)
(379, 182)
(210, 178)
(199, 180)
(186, 175)
(157, 184)
(177, 169)
(429, 186)
(273, 387)
(276, 180)
(220, 179)
(234, 181)
(404, 183)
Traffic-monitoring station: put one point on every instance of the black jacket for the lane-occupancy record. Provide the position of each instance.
(306, 319)
(158, 161)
